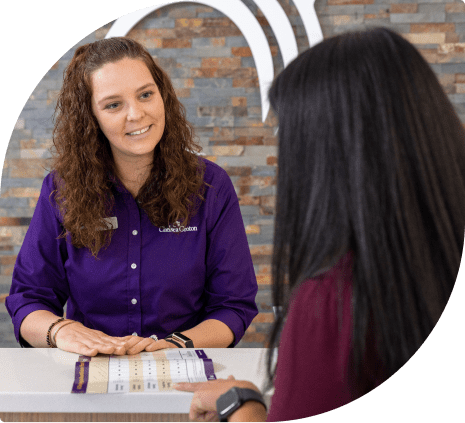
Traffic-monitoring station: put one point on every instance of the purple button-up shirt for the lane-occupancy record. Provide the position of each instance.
(149, 280)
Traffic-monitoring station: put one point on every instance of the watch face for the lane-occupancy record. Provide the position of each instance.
(228, 402)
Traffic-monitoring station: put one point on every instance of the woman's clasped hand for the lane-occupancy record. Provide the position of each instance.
(81, 340)
(137, 344)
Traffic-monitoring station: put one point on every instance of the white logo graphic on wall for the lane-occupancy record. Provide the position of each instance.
(244, 19)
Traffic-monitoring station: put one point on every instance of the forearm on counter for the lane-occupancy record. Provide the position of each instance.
(35, 325)
(210, 333)
(207, 334)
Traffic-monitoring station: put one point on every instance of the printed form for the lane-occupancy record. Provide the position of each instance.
(144, 372)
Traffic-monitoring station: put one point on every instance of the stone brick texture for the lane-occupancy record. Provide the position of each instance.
(215, 77)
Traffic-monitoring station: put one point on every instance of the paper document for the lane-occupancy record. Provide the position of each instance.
(144, 372)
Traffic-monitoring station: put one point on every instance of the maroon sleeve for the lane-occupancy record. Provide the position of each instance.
(313, 357)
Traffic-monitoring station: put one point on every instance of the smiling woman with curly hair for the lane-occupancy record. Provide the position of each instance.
(84, 155)
(139, 235)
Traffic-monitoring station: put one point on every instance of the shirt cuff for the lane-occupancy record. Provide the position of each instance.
(21, 314)
(230, 319)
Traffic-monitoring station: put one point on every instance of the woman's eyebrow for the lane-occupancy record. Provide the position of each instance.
(111, 97)
(146, 86)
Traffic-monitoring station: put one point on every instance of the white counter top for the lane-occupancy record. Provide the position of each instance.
(40, 380)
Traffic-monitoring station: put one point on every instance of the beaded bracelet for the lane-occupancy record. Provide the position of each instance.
(50, 329)
(53, 340)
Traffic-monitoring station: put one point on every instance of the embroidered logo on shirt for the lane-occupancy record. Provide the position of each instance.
(178, 228)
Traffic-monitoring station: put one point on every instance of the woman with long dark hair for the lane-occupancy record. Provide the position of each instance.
(369, 224)
(140, 236)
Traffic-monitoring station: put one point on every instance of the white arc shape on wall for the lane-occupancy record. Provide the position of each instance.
(244, 19)
(281, 27)
(310, 20)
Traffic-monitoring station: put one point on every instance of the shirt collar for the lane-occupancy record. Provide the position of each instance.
(117, 184)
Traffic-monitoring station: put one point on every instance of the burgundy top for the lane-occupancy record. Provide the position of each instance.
(313, 357)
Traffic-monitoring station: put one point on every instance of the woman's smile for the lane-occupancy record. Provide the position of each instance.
(139, 132)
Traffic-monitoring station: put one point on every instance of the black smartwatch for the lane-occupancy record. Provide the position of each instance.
(231, 400)
(176, 336)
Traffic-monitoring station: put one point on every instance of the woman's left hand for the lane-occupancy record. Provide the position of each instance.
(203, 405)
(137, 344)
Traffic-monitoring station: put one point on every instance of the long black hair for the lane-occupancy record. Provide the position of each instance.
(372, 161)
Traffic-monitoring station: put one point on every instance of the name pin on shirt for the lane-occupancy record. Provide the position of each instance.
(109, 223)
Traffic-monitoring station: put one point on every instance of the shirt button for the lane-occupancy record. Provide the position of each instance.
(134, 334)
(133, 265)
(134, 301)
(134, 232)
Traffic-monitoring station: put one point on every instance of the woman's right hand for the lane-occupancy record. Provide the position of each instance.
(76, 338)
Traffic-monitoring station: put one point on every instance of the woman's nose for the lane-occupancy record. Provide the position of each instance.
(135, 112)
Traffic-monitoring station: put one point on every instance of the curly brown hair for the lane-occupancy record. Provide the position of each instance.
(82, 159)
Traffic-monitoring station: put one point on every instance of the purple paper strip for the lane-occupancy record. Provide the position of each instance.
(201, 353)
(209, 370)
(81, 377)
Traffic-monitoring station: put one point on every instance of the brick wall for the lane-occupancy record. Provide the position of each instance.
(215, 77)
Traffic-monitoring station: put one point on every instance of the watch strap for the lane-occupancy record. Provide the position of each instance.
(183, 338)
(173, 342)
